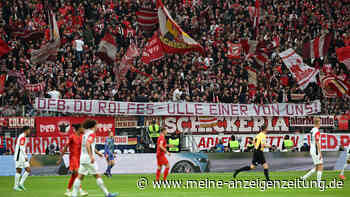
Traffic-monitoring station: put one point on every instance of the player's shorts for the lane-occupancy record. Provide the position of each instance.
(162, 160)
(316, 159)
(110, 156)
(73, 164)
(87, 168)
(24, 164)
(258, 158)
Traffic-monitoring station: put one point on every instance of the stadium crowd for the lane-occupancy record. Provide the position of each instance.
(77, 72)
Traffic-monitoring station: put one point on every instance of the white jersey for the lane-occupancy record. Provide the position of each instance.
(20, 150)
(315, 137)
(89, 136)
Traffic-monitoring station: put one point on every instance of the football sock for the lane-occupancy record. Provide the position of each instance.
(71, 180)
(266, 172)
(319, 176)
(157, 174)
(166, 171)
(102, 186)
(24, 177)
(76, 187)
(307, 175)
(17, 177)
(342, 171)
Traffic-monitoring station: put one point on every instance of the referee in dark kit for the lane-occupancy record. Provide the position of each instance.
(258, 155)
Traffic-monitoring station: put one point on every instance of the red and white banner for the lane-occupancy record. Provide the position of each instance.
(175, 108)
(62, 126)
(147, 19)
(38, 145)
(107, 49)
(234, 50)
(153, 50)
(326, 121)
(252, 77)
(329, 142)
(49, 49)
(4, 48)
(172, 37)
(343, 122)
(302, 73)
(17, 122)
(343, 55)
(317, 48)
(35, 87)
(213, 125)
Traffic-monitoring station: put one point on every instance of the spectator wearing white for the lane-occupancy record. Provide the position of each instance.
(55, 94)
(78, 45)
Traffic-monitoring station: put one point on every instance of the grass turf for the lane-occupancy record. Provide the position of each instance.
(126, 185)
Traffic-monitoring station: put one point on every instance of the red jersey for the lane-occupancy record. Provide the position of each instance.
(74, 144)
(161, 141)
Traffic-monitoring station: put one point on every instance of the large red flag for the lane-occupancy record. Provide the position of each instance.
(147, 19)
(153, 50)
(107, 49)
(4, 48)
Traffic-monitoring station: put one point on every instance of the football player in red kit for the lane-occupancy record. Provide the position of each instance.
(74, 146)
(161, 158)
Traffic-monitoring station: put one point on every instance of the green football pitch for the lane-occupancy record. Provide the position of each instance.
(192, 185)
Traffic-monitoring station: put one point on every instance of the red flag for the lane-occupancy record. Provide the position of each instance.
(333, 86)
(234, 50)
(327, 69)
(172, 37)
(107, 49)
(127, 59)
(153, 50)
(252, 77)
(4, 48)
(343, 55)
(318, 47)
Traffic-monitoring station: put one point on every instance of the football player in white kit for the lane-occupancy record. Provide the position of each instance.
(87, 159)
(347, 162)
(21, 160)
(315, 152)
